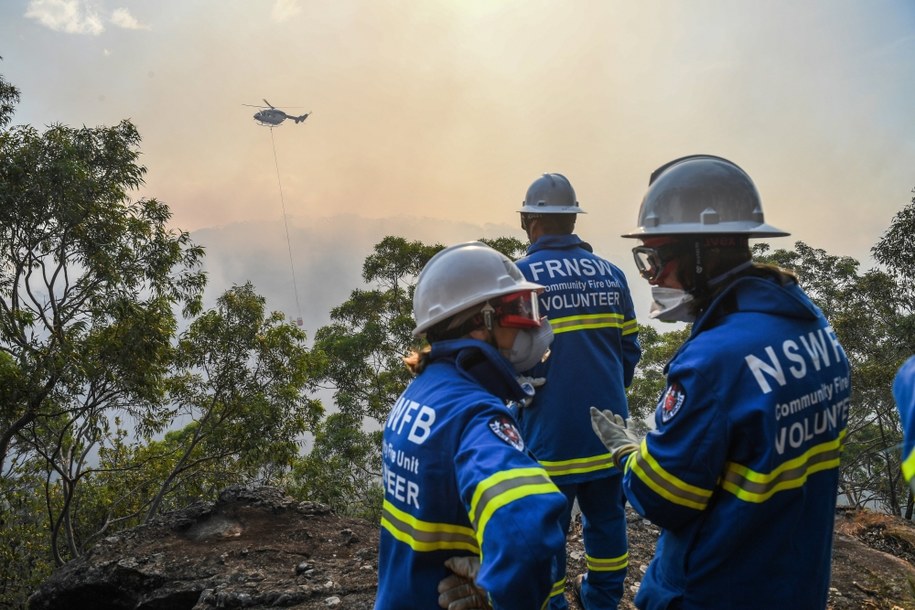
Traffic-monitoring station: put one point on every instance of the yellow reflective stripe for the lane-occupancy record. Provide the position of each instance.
(630, 327)
(908, 466)
(578, 465)
(559, 587)
(665, 484)
(425, 535)
(587, 321)
(607, 565)
(752, 486)
(504, 488)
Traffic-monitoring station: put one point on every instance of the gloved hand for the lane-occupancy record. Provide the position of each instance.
(459, 590)
(529, 384)
(611, 429)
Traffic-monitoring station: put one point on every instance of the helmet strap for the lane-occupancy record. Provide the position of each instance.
(699, 279)
(488, 315)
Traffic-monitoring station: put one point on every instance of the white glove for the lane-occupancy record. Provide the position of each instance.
(532, 384)
(611, 429)
(459, 590)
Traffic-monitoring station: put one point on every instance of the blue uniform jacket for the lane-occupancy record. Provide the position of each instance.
(458, 480)
(904, 393)
(741, 473)
(592, 360)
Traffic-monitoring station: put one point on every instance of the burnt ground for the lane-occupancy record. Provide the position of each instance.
(266, 551)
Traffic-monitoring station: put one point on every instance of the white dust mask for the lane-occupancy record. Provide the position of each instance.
(671, 305)
(530, 346)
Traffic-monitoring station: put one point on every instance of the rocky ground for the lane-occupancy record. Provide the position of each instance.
(873, 565)
(259, 549)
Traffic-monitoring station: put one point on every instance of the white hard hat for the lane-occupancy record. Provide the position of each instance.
(461, 276)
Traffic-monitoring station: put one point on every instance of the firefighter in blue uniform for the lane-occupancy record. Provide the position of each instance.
(904, 393)
(459, 484)
(592, 361)
(741, 472)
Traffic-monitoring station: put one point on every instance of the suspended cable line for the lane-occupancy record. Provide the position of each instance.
(279, 182)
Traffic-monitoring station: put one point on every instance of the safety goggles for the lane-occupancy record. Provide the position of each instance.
(651, 261)
(518, 310)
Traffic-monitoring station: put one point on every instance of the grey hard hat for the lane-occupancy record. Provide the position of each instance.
(551, 194)
(702, 194)
(460, 277)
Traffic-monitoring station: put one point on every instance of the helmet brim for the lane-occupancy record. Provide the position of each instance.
(552, 209)
(748, 229)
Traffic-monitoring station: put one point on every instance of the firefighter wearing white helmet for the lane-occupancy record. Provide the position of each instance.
(593, 358)
(741, 470)
(464, 502)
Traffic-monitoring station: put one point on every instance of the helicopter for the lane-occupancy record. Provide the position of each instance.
(273, 116)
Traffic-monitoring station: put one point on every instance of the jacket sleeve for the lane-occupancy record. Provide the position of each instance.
(671, 478)
(514, 509)
(904, 394)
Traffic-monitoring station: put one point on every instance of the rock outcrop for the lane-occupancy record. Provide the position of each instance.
(253, 548)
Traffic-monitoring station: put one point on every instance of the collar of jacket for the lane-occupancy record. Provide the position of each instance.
(482, 363)
(559, 242)
(761, 294)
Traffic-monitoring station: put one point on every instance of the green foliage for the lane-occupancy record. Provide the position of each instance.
(342, 468)
(88, 278)
(649, 380)
(364, 347)
(9, 97)
(24, 557)
(89, 281)
(93, 384)
(896, 250)
(509, 246)
(240, 379)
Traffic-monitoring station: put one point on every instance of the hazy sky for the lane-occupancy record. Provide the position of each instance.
(439, 113)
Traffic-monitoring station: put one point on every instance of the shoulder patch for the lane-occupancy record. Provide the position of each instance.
(504, 427)
(673, 399)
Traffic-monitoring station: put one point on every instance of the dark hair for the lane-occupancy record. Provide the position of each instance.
(552, 224)
(706, 257)
(457, 326)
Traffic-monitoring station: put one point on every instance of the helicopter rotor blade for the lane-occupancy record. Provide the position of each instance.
(268, 103)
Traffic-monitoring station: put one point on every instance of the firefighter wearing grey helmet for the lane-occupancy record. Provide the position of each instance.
(551, 199)
(592, 361)
(698, 213)
(551, 194)
(717, 454)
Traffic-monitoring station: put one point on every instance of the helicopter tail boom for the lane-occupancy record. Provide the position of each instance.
(299, 119)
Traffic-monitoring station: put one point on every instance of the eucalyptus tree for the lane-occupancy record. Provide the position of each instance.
(895, 250)
(242, 384)
(91, 283)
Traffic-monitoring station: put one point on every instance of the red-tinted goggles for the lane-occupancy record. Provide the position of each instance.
(518, 310)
